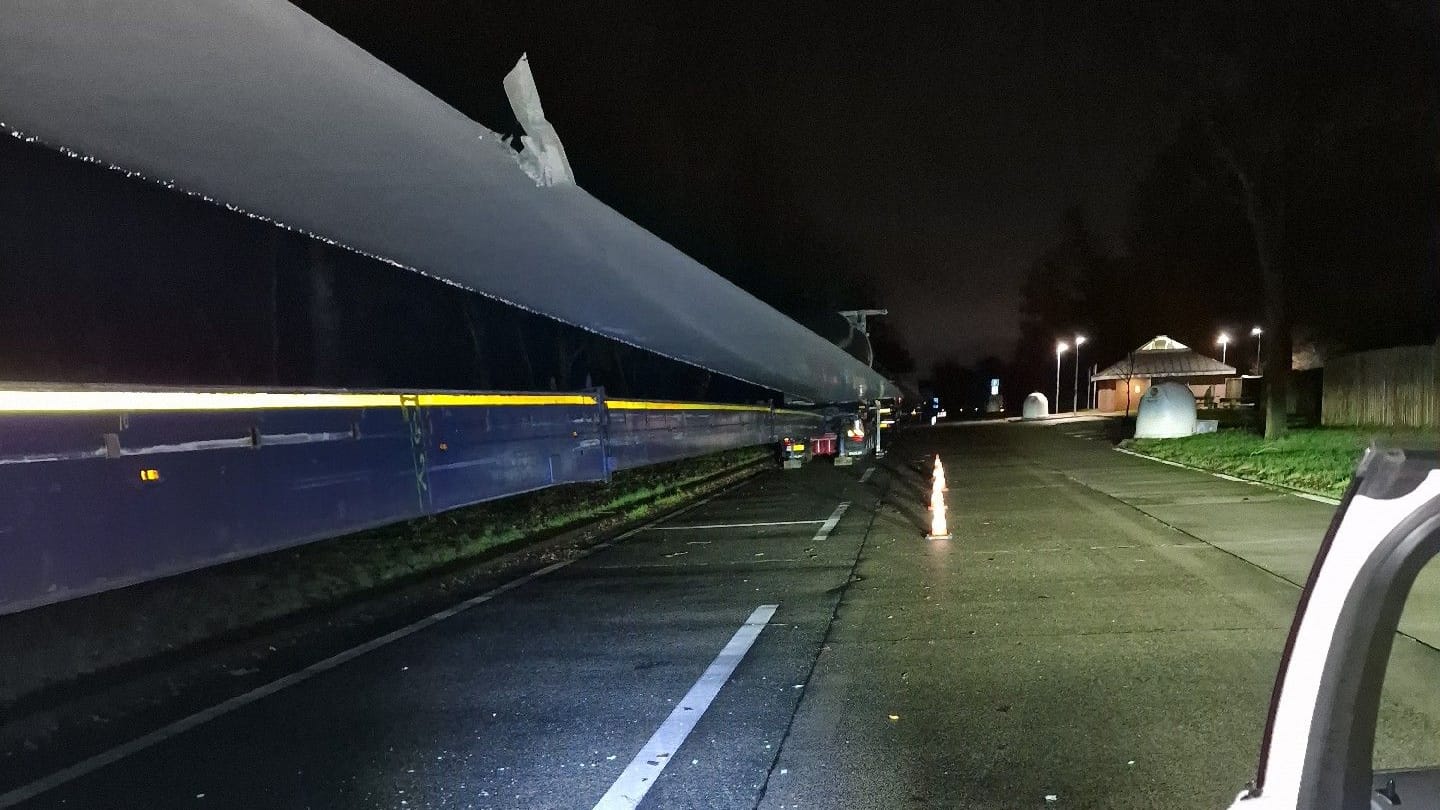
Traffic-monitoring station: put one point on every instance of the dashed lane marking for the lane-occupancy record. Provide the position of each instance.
(829, 525)
(734, 525)
(640, 774)
(87, 766)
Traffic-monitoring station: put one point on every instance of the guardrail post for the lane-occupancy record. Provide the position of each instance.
(603, 428)
(417, 426)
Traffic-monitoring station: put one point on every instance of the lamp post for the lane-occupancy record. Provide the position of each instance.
(1259, 363)
(1075, 390)
(1060, 348)
(1224, 341)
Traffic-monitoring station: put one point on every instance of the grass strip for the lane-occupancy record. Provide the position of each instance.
(1320, 461)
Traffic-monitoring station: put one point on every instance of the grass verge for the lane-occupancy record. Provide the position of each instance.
(61, 646)
(1320, 461)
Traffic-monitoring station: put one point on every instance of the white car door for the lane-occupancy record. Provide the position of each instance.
(1317, 749)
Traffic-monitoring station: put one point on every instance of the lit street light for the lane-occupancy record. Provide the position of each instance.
(1075, 391)
(1059, 350)
(1224, 342)
(1259, 363)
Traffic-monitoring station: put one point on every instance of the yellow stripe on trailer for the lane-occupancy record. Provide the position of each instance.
(103, 401)
(139, 401)
(120, 401)
(492, 400)
(657, 405)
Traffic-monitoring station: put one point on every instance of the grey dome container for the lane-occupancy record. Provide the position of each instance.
(1167, 411)
(1036, 405)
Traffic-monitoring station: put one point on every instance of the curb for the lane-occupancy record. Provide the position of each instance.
(1299, 493)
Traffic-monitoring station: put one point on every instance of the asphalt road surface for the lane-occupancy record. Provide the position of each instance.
(1102, 631)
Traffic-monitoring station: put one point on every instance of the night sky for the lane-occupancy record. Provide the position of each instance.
(824, 154)
(998, 175)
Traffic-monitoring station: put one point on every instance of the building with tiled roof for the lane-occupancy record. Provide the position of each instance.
(1120, 386)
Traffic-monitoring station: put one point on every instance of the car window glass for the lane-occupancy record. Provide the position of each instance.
(1407, 734)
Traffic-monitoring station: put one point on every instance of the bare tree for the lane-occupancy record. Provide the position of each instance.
(1294, 95)
(1264, 200)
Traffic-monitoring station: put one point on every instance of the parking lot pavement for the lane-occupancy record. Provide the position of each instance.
(547, 693)
(1101, 631)
(1062, 645)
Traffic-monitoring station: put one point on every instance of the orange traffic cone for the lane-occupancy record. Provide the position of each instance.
(939, 526)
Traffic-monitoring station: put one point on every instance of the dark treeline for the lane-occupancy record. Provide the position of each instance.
(1299, 194)
(109, 279)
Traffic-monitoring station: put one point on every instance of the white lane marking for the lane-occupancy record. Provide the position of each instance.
(829, 525)
(640, 774)
(95, 763)
(1230, 478)
(865, 476)
(1160, 460)
(631, 566)
(733, 525)
(1318, 498)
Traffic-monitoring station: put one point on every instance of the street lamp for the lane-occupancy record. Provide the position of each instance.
(1075, 391)
(1224, 341)
(1259, 363)
(1060, 348)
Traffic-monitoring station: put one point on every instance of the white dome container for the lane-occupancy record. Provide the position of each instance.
(1036, 406)
(1167, 411)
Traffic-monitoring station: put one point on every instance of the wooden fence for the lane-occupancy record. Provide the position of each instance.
(1397, 387)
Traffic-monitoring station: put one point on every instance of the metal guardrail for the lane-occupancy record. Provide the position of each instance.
(103, 488)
